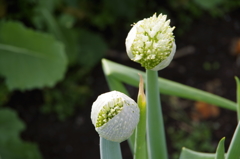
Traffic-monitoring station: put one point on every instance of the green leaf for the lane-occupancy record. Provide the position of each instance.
(10, 125)
(29, 59)
(233, 150)
(11, 145)
(220, 153)
(129, 76)
(238, 97)
(189, 154)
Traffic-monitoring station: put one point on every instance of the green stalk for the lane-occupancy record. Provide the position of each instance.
(110, 149)
(140, 149)
(220, 153)
(233, 149)
(156, 140)
(238, 97)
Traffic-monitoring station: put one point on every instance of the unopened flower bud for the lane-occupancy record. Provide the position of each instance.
(151, 43)
(115, 116)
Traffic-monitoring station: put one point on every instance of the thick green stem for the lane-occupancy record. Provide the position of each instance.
(156, 140)
(110, 149)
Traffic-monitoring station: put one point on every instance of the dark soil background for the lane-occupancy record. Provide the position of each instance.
(210, 64)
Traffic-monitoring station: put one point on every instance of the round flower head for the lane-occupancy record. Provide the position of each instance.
(115, 116)
(151, 43)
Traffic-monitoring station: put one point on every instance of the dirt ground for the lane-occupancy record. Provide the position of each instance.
(208, 58)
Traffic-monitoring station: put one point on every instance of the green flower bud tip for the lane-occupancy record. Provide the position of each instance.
(151, 42)
(115, 116)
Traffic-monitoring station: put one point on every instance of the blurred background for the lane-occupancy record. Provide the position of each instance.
(53, 121)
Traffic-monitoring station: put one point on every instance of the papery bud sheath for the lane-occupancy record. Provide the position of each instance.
(115, 116)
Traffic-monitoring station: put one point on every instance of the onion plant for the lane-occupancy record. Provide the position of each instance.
(115, 115)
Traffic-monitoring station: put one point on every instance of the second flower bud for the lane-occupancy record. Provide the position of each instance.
(115, 116)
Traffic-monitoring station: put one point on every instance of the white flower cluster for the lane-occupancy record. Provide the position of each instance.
(115, 116)
(151, 43)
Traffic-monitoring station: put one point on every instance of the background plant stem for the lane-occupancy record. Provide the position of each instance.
(155, 128)
(110, 149)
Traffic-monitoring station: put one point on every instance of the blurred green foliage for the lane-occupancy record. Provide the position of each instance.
(11, 145)
(27, 63)
(68, 95)
(198, 136)
(186, 132)
(83, 46)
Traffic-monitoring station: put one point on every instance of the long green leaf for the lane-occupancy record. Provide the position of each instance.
(238, 97)
(233, 150)
(220, 153)
(190, 154)
(130, 76)
(30, 59)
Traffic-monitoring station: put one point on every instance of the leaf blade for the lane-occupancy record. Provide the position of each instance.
(29, 59)
(233, 150)
(130, 76)
(238, 97)
(11, 145)
(190, 154)
(220, 153)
